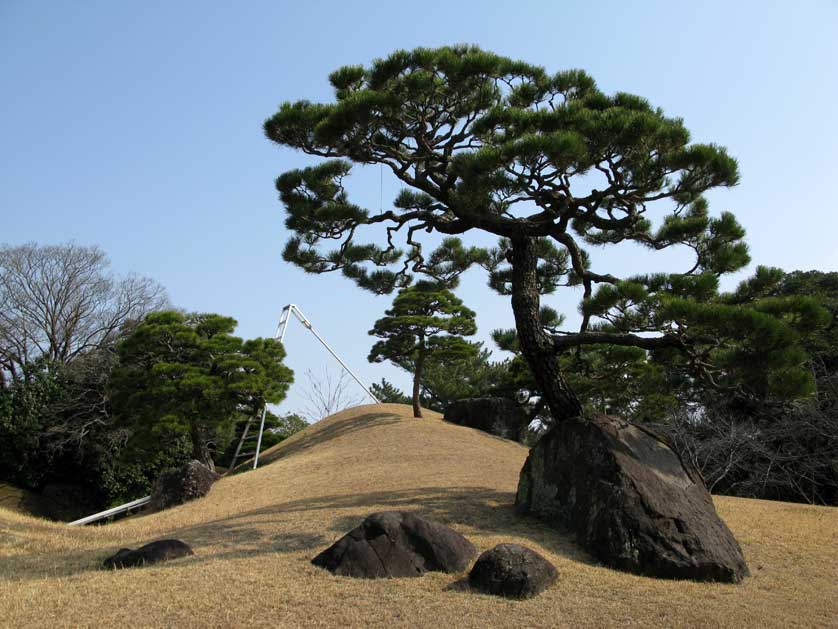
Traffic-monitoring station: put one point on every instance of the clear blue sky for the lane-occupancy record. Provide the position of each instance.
(137, 126)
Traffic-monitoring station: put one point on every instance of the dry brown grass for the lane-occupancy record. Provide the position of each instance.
(14, 498)
(256, 532)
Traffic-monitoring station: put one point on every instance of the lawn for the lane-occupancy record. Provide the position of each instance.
(255, 533)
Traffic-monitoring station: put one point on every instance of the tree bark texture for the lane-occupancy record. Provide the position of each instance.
(417, 382)
(200, 446)
(537, 345)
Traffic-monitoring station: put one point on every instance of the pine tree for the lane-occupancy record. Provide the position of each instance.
(447, 381)
(188, 374)
(555, 168)
(388, 393)
(425, 321)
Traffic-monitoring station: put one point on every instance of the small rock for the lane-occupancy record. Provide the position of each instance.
(512, 571)
(396, 544)
(188, 482)
(161, 550)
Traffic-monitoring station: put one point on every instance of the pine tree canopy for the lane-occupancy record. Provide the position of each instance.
(189, 374)
(388, 393)
(553, 167)
(424, 319)
(426, 322)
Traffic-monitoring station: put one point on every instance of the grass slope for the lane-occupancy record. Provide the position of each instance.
(255, 533)
(15, 499)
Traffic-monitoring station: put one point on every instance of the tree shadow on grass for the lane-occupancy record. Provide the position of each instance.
(243, 542)
(481, 511)
(486, 511)
(321, 435)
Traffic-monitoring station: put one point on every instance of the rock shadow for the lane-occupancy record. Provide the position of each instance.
(485, 511)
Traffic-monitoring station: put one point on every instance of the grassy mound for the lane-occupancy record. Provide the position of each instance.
(256, 532)
(16, 499)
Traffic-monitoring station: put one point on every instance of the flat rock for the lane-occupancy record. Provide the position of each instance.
(512, 571)
(397, 544)
(188, 482)
(631, 500)
(161, 550)
(497, 416)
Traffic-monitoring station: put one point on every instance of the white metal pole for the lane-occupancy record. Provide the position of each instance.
(307, 323)
(259, 438)
(281, 329)
(104, 514)
(283, 322)
(242, 439)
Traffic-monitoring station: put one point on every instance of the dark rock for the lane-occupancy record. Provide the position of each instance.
(174, 487)
(497, 416)
(512, 571)
(161, 550)
(632, 502)
(396, 544)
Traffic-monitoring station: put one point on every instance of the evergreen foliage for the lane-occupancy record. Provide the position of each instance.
(389, 393)
(649, 384)
(476, 375)
(56, 426)
(188, 374)
(555, 168)
(425, 321)
(276, 430)
(822, 345)
(62, 312)
(124, 473)
(446, 381)
(24, 415)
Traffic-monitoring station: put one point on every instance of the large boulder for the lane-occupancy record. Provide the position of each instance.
(397, 544)
(497, 416)
(161, 550)
(632, 502)
(512, 571)
(174, 487)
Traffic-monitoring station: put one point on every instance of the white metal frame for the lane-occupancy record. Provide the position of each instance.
(281, 329)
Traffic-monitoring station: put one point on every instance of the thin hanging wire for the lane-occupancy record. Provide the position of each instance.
(380, 187)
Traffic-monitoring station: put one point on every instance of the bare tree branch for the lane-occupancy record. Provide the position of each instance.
(328, 394)
(59, 301)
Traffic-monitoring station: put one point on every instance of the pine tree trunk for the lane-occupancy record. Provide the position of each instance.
(536, 344)
(200, 447)
(417, 381)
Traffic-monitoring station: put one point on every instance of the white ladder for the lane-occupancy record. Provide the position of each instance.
(281, 329)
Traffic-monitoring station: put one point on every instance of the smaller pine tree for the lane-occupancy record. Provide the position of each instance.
(426, 320)
(388, 393)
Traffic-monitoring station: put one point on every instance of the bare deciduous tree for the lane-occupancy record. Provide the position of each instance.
(60, 301)
(83, 408)
(328, 394)
(788, 453)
